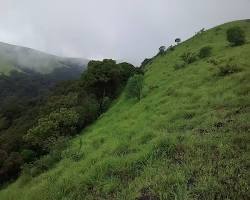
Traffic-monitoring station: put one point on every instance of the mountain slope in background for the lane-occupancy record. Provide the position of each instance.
(22, 59)
(188, 137)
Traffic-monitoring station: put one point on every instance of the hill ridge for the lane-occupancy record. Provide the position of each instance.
(188, 137)
(13, 57)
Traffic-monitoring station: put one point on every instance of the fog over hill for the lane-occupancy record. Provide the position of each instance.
(22, 58)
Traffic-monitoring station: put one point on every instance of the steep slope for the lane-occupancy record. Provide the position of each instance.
(188, 137)
(21, 58)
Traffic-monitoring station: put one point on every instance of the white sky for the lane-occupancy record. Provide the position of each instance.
(129, 30)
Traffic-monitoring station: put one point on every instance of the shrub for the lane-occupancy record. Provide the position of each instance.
(145, 62)
(213, 61)
(228, 69)
(162, 50)
(179, 65)
(50, 127)
(178, 40)
(171, 48)
(189, 57)
(200, 31)
(46, 162)
(28, 155)
(134, 86)
(236, 36)
(205, 52)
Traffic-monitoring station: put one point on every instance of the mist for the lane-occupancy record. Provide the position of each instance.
(128, 30)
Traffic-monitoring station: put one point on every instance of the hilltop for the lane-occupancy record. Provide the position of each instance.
(187, 138)
(21, 59)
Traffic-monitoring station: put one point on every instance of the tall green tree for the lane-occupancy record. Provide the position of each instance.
(135, 86)
(105, 79)
(58, 123)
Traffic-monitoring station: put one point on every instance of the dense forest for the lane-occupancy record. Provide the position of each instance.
(38, 113)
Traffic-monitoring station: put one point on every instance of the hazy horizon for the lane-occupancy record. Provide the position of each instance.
(128, 31)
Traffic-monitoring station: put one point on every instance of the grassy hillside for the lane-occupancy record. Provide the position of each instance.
(188, 137)
(17, 58)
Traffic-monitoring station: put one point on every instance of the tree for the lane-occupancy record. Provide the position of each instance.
(145, 62)
(127, 70)
(189, 57)
(178, 40)
(134, 86)
(28, 155)
(101, 78)
(88, 111)
(58, 123)
(236, 36)
(162, 50)
(106, 79)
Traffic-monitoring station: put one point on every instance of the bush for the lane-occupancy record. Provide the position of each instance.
(46, 162)
(236, 36)
(145, 62)
(3, 156)
(57, 123)
(171, 48)
(189, 57)
(28, 155)
(162, 50)
(179, 65)
(134, 86)
(213, 61)
(228, 69)
(205, 52)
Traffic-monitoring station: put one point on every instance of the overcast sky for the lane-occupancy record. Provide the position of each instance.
(129, 30)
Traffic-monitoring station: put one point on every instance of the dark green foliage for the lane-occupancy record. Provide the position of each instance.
(236, 36)
(4, 123)
(228, 69)
(134, 86)
(87, 110)
(3, 156)
(189, 57)
(57, 123)
(205, 52)
(46, 162)
(28, 155)
(106, 79)
(37, 110)
(10, 166)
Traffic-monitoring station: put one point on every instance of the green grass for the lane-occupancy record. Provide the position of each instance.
(188, 138)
